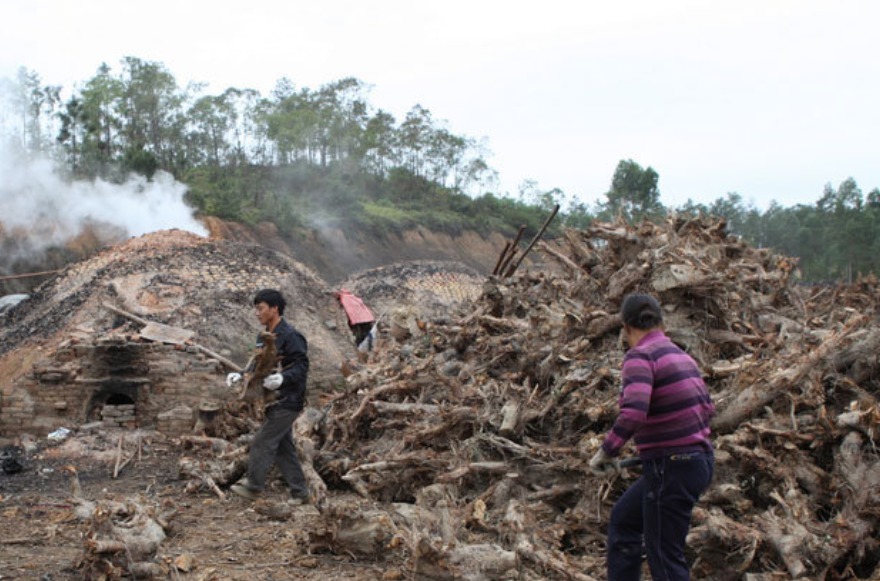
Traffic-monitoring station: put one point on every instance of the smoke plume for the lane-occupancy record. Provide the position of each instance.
(39, 209)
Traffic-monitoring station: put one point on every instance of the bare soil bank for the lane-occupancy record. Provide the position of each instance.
(336, 254)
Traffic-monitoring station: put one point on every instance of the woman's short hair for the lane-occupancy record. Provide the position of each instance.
(641, 311)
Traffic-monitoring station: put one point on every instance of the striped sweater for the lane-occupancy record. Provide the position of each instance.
(664, 404)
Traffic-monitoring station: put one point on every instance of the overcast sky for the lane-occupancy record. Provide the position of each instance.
(771, 99)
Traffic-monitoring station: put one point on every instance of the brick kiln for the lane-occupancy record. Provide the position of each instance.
(66, 359)
(402, 293)
(116, 380)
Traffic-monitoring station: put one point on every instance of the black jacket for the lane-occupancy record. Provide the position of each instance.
(292, 349)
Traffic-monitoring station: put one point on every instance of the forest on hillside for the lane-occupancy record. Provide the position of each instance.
(301, 156)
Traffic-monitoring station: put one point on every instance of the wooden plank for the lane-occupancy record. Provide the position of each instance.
(173, 335)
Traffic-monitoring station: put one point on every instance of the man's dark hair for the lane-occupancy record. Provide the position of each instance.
(271, 297)
(641, 311)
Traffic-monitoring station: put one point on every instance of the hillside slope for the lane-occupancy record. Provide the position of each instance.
(336, 254)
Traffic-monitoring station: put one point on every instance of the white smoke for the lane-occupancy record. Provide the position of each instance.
(40, 209)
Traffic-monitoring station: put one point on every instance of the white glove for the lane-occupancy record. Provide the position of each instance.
(273, 381)
(601, 464)
(232, 379)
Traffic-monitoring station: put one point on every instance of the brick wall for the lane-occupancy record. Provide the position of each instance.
(115, 380)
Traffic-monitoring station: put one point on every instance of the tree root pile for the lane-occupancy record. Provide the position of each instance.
(121, 538)
(473, 435)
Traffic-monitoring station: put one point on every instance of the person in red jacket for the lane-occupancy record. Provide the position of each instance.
(665, 408)
(360, 319)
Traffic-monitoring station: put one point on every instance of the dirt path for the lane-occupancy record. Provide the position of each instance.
(211, 539)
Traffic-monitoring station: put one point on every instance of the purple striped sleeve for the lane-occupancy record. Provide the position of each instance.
(664, 402)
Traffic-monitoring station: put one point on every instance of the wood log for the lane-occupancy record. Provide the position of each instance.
(460, 418)
(790, 539)
(580, 248)
(801, 544)
(405, 408)
(560, 395)
(511, 251)
(227, 363)
(27, 275)
(764, 277)
(723, 368)
(142, 536)
(501, 257)
(555, 491)
(305, 426)
(860, 361)
(483, 561)
(147, 570)
(623, 280)
(122, 463)
(105, 546)
(217, 446)
(362, 533)
(138, 535)
(357, 483)
(501, 325)
(782, 379)
(474, 468)
(510, 418)
(118, 457)
(724, 336)
(504, 444)
(544, 247)
(614, 232)
(208, 472)
(418, 460)
(602, 323)
(737, 542)
(527, 550)
(381, 466)
(673, 276)
(514, 265)
(862, 475)
(382, 390)
(207, 481)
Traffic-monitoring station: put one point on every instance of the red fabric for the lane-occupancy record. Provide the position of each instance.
(355, 309)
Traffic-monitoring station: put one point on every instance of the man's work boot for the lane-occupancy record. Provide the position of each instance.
(243, 489)
(298, 497)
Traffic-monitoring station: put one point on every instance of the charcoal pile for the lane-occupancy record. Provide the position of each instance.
(475, 432)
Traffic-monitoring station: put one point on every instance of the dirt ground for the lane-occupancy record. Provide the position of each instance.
(208, 538)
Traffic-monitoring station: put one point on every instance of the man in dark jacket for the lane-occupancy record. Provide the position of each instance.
(274, 440)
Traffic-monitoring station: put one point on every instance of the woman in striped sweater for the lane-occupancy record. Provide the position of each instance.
(666, 409)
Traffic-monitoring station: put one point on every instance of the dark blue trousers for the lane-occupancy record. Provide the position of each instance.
(655, 514)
